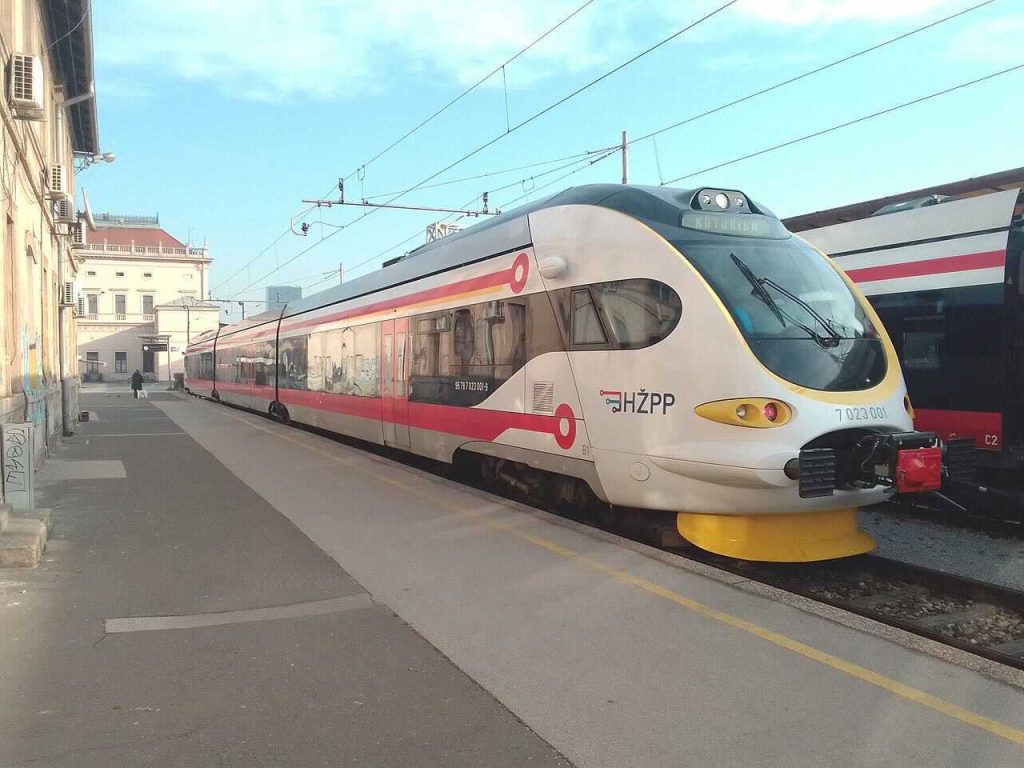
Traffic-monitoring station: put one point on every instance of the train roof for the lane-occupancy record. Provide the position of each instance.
(503, 233)
(978, 185)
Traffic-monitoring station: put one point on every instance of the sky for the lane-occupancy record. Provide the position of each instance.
(226, 114)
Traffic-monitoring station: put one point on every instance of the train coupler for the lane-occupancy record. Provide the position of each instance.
(910, 462)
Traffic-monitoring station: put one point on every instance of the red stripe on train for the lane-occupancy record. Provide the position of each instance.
(985, 428)
(944, 265)
(514, 277)
(474, 423)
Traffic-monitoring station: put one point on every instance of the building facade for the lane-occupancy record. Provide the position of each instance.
(48, 122)
(141, 298)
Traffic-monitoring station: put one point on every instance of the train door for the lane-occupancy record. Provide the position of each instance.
(394, 378)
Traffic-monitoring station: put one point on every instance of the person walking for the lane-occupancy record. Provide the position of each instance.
(136, 383)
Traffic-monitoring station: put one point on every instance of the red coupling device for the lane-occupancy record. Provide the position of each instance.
(918, 469)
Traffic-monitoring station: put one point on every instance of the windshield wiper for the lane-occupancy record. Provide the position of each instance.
(761, 292)
(832, 333)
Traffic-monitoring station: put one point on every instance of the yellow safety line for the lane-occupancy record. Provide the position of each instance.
(783, 641)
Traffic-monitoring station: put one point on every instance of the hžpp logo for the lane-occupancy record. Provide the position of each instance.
(638, 402)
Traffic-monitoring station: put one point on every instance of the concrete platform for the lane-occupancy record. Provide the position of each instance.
(531, 639)
(177, 619)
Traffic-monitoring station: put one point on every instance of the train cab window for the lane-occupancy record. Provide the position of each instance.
(638, 313)
(585, 325)
(619, 314)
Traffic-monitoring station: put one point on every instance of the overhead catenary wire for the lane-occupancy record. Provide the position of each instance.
(551, 183)
(362, 167)
(522, 124)
(470, 89)
(811, 72)
(608, 153)
(489, 174)
(846, 124)
(652, 134)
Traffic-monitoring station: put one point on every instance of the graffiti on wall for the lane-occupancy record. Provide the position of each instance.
(34, 388)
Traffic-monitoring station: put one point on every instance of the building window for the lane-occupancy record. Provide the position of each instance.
(119, 274)
(92, 362)
(120, 303)
(187, 276)
(120, 362)
(148, 361)
(91, 273)
(147, 274)
(94, 304)
(147, 305)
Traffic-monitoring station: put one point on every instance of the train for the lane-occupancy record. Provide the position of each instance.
(945, 273)
(636, 350)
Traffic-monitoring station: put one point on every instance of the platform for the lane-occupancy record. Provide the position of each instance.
(251, 594)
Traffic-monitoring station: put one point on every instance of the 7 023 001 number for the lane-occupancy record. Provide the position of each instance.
(862, 413)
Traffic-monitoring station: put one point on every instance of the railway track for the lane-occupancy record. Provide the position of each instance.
(980, 618)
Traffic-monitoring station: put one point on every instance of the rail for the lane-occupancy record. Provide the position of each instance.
(973, 616)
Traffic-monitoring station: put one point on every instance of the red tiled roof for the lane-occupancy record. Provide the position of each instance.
(143, 236)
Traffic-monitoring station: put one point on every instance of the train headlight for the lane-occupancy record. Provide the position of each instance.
(722, 200)
(757, 412)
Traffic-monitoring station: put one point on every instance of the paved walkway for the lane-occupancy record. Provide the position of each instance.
(252, 594)
(151, 525)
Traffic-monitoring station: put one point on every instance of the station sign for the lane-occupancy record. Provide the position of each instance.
(154, 347)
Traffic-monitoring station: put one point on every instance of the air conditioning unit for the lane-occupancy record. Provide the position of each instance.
(56, 182)
(25, 86)
(77, 233)
(64, 210)
(70, 295)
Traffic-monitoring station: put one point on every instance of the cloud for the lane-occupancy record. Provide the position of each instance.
(325, 49)
(265, 49)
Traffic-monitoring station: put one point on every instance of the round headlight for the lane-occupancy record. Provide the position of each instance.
(706, 199)
(771, 411)
(722, 200)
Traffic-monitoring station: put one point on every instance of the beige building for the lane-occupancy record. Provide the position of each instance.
(48, 124)
(142, 299)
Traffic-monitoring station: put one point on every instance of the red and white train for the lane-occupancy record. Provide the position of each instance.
(946, 275)
(648, 348)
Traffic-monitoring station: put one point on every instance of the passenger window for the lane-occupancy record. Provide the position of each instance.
(292, 357)
(465, 339)
(586, 326)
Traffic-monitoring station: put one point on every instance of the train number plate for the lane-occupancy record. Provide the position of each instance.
(862, 413)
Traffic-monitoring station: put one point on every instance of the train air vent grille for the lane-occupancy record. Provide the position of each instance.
(817, 472)
(543, 397)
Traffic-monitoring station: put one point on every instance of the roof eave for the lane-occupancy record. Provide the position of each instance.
(69, 27)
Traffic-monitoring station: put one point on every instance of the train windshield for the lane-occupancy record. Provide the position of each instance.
(796, 312)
